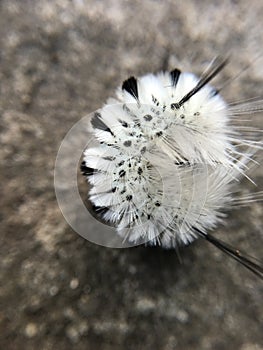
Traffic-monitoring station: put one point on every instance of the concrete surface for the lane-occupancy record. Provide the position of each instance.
(60, 60)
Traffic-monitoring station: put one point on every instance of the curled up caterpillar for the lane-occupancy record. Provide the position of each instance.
(169, 159)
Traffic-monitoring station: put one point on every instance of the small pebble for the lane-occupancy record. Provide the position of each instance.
(74, 283)
(31, 330)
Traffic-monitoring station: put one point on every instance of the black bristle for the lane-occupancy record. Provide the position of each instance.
(247, 261)
(218, 64)
(130, 85)
(100, 210)
(175, 74)
(97, 123)
(86, 171)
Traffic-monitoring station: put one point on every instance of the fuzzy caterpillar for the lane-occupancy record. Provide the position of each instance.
(168, 159)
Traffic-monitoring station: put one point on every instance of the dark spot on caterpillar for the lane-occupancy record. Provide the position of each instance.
(175, 74)
(127, 143)
(157, 204)
(182, 164)
(147, 117)
(143, 150)
(97, 123)
(140, 171)
(148, 216)
(122, 173)
(155, 101)
(123, 123)
(121, 163)
(196, 114)
(130, 85)
(129, 197)
(214, 92)
(182, 116)
(113, 189)
(159, 133)
(123, 191)
(108, 158)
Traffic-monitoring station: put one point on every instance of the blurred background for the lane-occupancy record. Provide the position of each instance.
(60, 60)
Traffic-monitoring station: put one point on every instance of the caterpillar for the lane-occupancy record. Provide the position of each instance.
(169, 158)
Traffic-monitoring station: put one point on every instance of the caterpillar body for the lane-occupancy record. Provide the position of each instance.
(168, 159)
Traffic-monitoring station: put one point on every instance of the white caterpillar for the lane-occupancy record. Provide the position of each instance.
(167, 160)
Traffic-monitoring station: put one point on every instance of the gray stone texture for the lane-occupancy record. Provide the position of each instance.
(60, 60)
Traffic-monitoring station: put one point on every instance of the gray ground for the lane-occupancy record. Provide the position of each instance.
(60, 60)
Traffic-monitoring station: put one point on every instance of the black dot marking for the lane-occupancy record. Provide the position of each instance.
(140, 171)
(127, 143)
(129, 197)
(159, 133)
(147, 117)
(130, 85)
(175, 74)
(185, 163)
(196, 114)
(109, 158)
(157, 204)
(182, 116)
(121, 163)
(123, 191)
(122, 173)
(97, 123)
(155, 101)
(143, 150)
(113, 189)
(148, 216)
(123, 123)
(214, 92)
